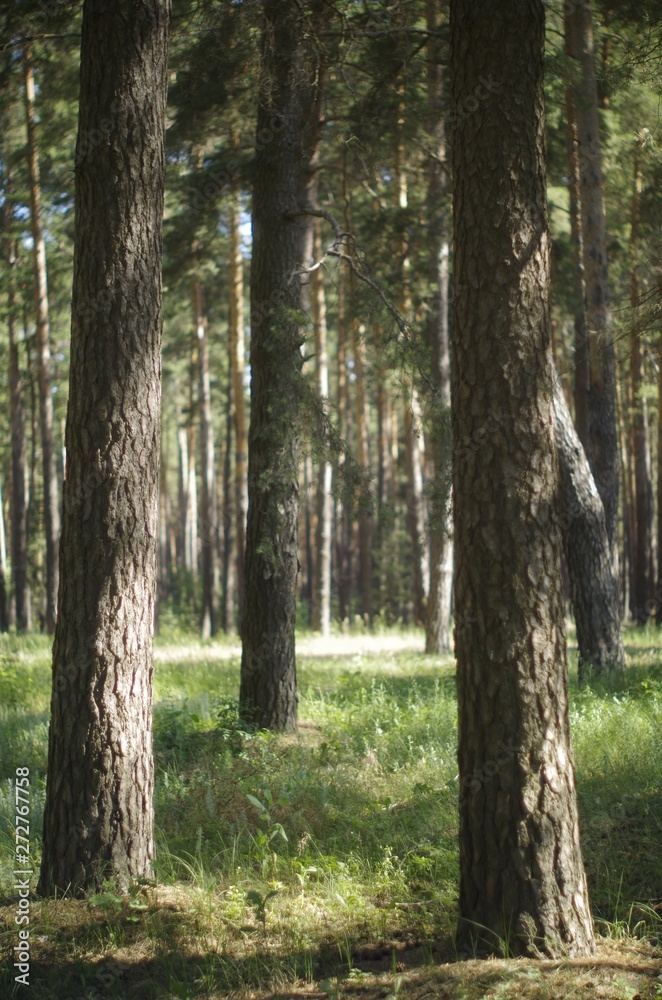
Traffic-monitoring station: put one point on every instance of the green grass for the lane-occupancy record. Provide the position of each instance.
(287, 858)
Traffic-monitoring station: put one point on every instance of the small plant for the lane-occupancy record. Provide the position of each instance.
(258, 902)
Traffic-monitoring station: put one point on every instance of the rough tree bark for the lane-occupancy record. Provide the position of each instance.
(522, 877)
(438, 617)
(43, 353)
(595, 592)
(287, 139)
(98, 817)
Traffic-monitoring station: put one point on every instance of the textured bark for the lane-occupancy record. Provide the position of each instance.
(208, 497)
(365, 527)
(98, 816)
(287, 139)
(43, 355)
(19, 467)
(594, 589)
(438, 616)
(642, 576)
(603, 435)
(237, 371)
(321, 606)
(522, 877)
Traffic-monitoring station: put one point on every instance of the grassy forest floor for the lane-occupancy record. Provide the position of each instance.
(325, 865)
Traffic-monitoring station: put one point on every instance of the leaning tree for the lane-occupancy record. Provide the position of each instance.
(98, 817)
(522, 879)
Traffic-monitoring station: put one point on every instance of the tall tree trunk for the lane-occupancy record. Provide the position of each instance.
(237, 370)
(642, 577)
(413, 425)
(287, 107)
(98, 821)
(228, 562)
(208, 497)
(321, 616)
(43, 354)
(438, 617)
(416, 505)
(594, 590)
(363, 456)
(19, 466)
(582, 381)
(603, 435)
(343, 562)
(522, 876)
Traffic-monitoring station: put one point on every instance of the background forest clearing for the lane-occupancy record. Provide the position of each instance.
(325, 863)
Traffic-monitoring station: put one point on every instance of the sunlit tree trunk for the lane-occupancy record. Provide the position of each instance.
(98, 821)
(343, 561)
(237, 370)
(594, 591)
(43, 353)
(438, 616)
(522, 879)
(413, 427)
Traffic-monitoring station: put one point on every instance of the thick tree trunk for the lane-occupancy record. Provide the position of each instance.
(522, 880)
(287, 107)
(19, 467)
(438, 616)
(208, 498)
(594, 590)
(43, 355)
(237, 370)
(658, 589)
(603, 435)
(98, 820)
